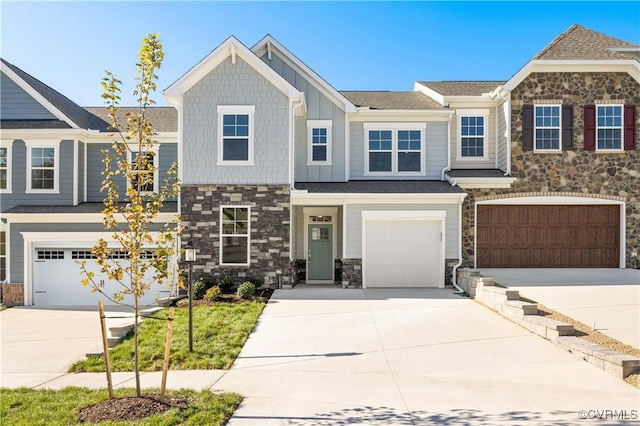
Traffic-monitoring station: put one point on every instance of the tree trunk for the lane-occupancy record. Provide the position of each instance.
(136, 351)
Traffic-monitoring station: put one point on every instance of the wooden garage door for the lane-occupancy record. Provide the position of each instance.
(546, 236)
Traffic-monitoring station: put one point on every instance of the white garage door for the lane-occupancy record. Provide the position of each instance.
(403, 253)
(57, 280)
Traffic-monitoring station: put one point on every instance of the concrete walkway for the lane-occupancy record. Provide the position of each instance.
(608, 298)
(328, 356)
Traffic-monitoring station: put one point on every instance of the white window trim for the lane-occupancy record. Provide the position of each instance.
(319, 124)
(8, 144)
(248, 235)
(236, 109)
(484, 113)
(156, 162)
(56, 165)
(394, 128)
(621, 127)
(535, 127)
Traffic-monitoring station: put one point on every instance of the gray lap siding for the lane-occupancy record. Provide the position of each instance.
(269, 229)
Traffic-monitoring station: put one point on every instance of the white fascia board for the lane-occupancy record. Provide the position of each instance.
(418, 87)
(470, 182)
(471, 101)
(61, 134)
(303, 198)
(105, 137)
(231, 46)
(36, 95)
(402, 115)
(630, 66)
(310, 75)
(73, 218)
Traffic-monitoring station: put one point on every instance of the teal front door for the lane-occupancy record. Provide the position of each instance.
(320, 254)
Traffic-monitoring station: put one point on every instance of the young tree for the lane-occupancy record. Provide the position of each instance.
(132, 218)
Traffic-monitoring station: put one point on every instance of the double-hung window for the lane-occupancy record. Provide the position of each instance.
(319, 142)
(234, 238)
(235, 134)
(5, 166)
(394, 149)
(548, 128)
(42, 166)
(472, 136)
(144, 165)
(609, 127)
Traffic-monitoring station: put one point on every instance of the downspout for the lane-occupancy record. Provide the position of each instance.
(508, 123)
(292, 172)
(448, 166)
(454, 277)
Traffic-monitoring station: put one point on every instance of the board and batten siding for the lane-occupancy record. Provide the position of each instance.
(235, 84)
(19, 172)
(319, 107)
(490, 137)
(353, 226)
(17, 104)
(435, 145)
(504, 114)
(167, 154)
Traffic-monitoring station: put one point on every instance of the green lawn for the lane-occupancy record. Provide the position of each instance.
(60, 407)
(219, 332)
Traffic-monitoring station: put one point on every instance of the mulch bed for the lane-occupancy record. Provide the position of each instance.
(131, 408)
(262, 295)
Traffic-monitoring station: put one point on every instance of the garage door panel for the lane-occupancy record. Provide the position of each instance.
(403, 253)
(551, 236)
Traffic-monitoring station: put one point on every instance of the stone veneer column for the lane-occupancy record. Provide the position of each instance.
(269, 229)
(352, 273)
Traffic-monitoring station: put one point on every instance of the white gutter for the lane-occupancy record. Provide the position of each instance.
(454, 280)
(448, 166)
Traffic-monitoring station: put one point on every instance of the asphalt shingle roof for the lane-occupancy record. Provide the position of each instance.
(477, 173)
(380, 187)
(462, 88)
(168, 207)
(580, 43)
(391, 100)
(164, 119)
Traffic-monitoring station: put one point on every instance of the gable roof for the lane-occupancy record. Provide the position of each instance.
(580, 43)
(230, 47)
(269, 42)
(59, 105)
(462, 88)
(391, 100)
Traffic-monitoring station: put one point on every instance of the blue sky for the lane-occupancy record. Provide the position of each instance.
(354, 46)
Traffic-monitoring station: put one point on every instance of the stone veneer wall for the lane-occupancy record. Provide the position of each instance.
(269, 232)
(574, 172)
(352, 273)
(12, 294)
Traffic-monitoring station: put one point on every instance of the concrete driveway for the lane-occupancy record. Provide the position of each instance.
(327, 356)
(608, 298)
(39, 345)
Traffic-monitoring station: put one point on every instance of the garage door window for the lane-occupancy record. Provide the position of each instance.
(50, 254)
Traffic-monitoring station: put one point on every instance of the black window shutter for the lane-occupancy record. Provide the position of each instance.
(527, 127)
(590, 127)
(567, 127)
(629, 127)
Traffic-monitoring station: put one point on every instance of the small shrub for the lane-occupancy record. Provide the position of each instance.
(182, 303)
(212, 294)
(256, 281)
(198, 288)
(246, 290)
(226, 284)
(209, 280)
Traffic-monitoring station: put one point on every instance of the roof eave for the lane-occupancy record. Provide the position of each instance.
(546, 65)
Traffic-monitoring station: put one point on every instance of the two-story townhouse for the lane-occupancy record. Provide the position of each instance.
(567, 129)
(287, 179)
(51, 165)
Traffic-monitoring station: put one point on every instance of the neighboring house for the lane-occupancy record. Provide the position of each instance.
(286, 178)
(50, 178)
